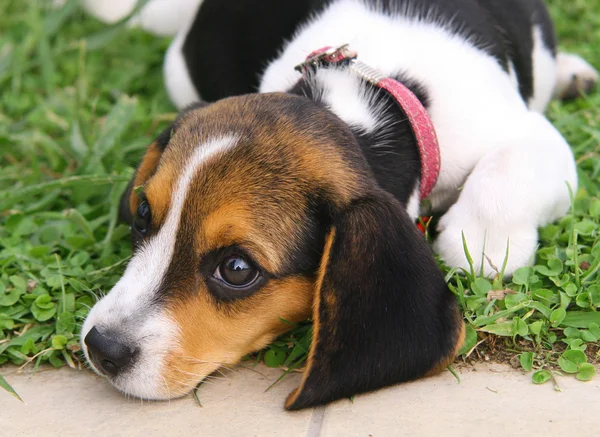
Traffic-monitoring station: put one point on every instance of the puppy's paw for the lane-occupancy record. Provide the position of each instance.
(575, 77)
(109, 11)
(487, 243)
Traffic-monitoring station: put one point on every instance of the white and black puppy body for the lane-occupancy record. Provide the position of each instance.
(483, 68)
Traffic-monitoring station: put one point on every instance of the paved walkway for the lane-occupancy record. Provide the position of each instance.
(491, 400)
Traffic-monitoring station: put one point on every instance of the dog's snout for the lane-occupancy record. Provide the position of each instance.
(106, 353)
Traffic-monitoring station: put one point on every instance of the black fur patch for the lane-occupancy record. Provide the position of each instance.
(385, 313)
(231, 42)
(514, 21)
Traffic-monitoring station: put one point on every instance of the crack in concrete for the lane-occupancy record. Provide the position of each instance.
(316, 422)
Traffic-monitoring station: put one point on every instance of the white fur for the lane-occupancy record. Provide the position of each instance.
(178, 82)
(512, 72)
(513, 164)
(520, 185)
(457, 98)
(165, 17)
(160, 17)
(544, 72)
(414, 203)
(129, 303)
(109, 11)
(345, 95)
(572, 68)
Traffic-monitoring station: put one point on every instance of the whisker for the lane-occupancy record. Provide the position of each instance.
(223, 374)
(189, 386)
(167, 387)
(201, 376)
(193, 360)
(253, 370)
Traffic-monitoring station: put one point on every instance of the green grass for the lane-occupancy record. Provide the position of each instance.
(80, 102)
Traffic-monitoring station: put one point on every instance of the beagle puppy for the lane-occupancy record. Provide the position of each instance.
(299, 201)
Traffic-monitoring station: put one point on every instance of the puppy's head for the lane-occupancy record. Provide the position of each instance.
(256, 209)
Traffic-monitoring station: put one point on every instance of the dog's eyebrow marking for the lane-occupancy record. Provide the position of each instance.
(147, 268)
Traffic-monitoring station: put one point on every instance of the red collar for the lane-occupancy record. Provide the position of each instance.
(418, 117)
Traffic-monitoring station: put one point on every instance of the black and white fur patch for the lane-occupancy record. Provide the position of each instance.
(485, 70)
(229, 43)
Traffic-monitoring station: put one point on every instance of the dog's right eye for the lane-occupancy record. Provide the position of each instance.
(232, 274)
(237, 271)
(142, 219)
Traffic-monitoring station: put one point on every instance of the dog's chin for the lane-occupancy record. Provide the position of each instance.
(135, 391)
(165, 384)
(151, 388)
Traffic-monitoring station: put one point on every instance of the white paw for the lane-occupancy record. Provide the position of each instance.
(165, 17)
(574, 76)
(109, 11)
(487, 243)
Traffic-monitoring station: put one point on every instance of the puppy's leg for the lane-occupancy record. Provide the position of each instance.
(178, 80)
(574, 76)
(165, 17)
(109, 11)
(517, 187)
(159, 17)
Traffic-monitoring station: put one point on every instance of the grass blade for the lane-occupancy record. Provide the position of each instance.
(6, 386)
(287, 372)
(115, 124)
(9, 197)
(469, 257)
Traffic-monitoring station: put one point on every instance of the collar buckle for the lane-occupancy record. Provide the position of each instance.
(327, 55)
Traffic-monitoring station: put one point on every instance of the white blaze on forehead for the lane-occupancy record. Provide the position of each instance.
(132, 295)
(147, 268)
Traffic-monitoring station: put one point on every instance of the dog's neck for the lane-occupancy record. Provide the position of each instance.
(379, 124)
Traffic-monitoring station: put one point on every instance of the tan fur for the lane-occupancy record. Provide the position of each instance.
(306, 150)
(158, 192)
(230, 202)
(144, 171)
(316, 304)
(236, 199)
(212, 336)
(234, 222)
(460, 339)
(157, 187)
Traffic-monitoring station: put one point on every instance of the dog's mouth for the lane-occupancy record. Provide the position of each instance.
(153, 367)
(141, 374)
(132, 352)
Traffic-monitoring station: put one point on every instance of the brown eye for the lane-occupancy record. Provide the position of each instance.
(236, 271)
(142, 219)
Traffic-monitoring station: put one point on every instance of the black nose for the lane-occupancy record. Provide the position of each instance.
(106, 353)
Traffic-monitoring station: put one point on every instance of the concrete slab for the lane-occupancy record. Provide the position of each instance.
(491, 400)
(69, 403)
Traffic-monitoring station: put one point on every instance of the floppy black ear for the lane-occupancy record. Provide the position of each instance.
(383, 313)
